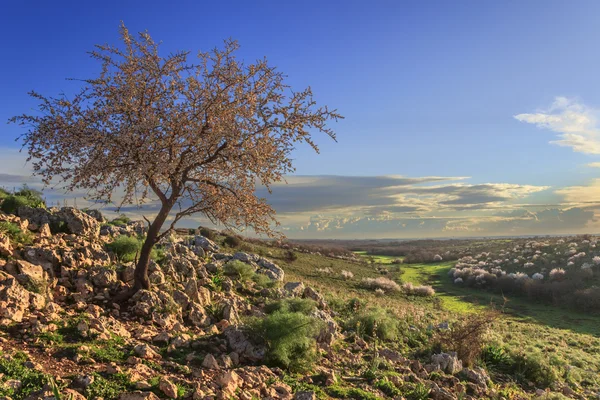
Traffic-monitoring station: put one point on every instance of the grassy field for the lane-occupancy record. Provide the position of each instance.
(458, 298)
(568, 341)
(379, 259)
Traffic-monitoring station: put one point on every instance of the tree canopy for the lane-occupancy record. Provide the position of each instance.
(197, 134)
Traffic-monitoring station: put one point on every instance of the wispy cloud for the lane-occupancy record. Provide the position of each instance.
(575, 123)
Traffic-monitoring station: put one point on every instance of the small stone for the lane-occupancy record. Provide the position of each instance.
(168, 388)
(146, 352)
(210, 362)
(304, 395)
(138, 396)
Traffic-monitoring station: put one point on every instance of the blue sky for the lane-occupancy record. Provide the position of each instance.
(428, 88)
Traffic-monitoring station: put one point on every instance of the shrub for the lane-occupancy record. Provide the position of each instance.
(31, 379)
(125, 247)
(239, 269)
(304, 306)
(466, 336)
(109, 387)
(290, 256)
(208, 233)
(232, 241)
(424, 290)
(382, 283)
(496, 359)
(347, 275)
(11, 204)
(387, 387)
(263, 281)
(557, 274)
(522, 367)
(120, 220)
(374, 323)
(290, 339)
(324, 271)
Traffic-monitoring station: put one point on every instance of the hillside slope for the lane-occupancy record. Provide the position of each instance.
(221, 323)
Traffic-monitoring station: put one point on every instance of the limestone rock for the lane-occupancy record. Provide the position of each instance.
(79, 223)
(206, 244)
(168, 388)
(447, 362)
(295, 289)
(210, 362)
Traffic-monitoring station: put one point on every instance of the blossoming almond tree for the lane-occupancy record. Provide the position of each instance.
(197, 136)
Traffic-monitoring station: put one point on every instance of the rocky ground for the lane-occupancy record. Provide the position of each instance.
(63, 336)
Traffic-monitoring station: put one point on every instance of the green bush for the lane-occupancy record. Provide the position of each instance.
(120, 220)
(522, 367)
(374, 323)
(236, 268)
(3, 194)
(15, 233)
(24, 197)
(109, 387)
(125, 247)
(11, 204)
(304, 306)
(387, 387)
(290, 256)
(339, 392)
(31, 380)
(290, 339)
(232, 241)
(263, 281)
(208, 233)
(532, 368)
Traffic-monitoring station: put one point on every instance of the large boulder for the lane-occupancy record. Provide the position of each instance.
(79, 223)
(206, 244)
(198, 316)
(103, 277)
(31, 271)
(96, 214)
(47, 257)
(271, 269)
(14, 300)
(6, 248)
(447, 362)
(36, 216)
(477, 375)
(295, 289)
(239, 343)
(245, 257)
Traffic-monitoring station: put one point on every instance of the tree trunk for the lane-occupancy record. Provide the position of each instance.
(141, 269)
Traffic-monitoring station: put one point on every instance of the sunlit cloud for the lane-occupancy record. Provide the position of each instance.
(582, 194)
(575, 123)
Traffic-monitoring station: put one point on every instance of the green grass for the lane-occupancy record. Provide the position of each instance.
(13, 367)
(457, 298)
(378, 259)
(568, 342)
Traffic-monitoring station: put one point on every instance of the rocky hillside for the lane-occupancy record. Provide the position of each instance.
(217, 324)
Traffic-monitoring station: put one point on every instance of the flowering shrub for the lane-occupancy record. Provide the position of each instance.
(347, 275)
(531, 268)
(385, 284)
(425, 291)
(557, 274)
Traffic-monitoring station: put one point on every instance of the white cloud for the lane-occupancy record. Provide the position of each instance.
(594, 165)
(576, 123)
(582, 194)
